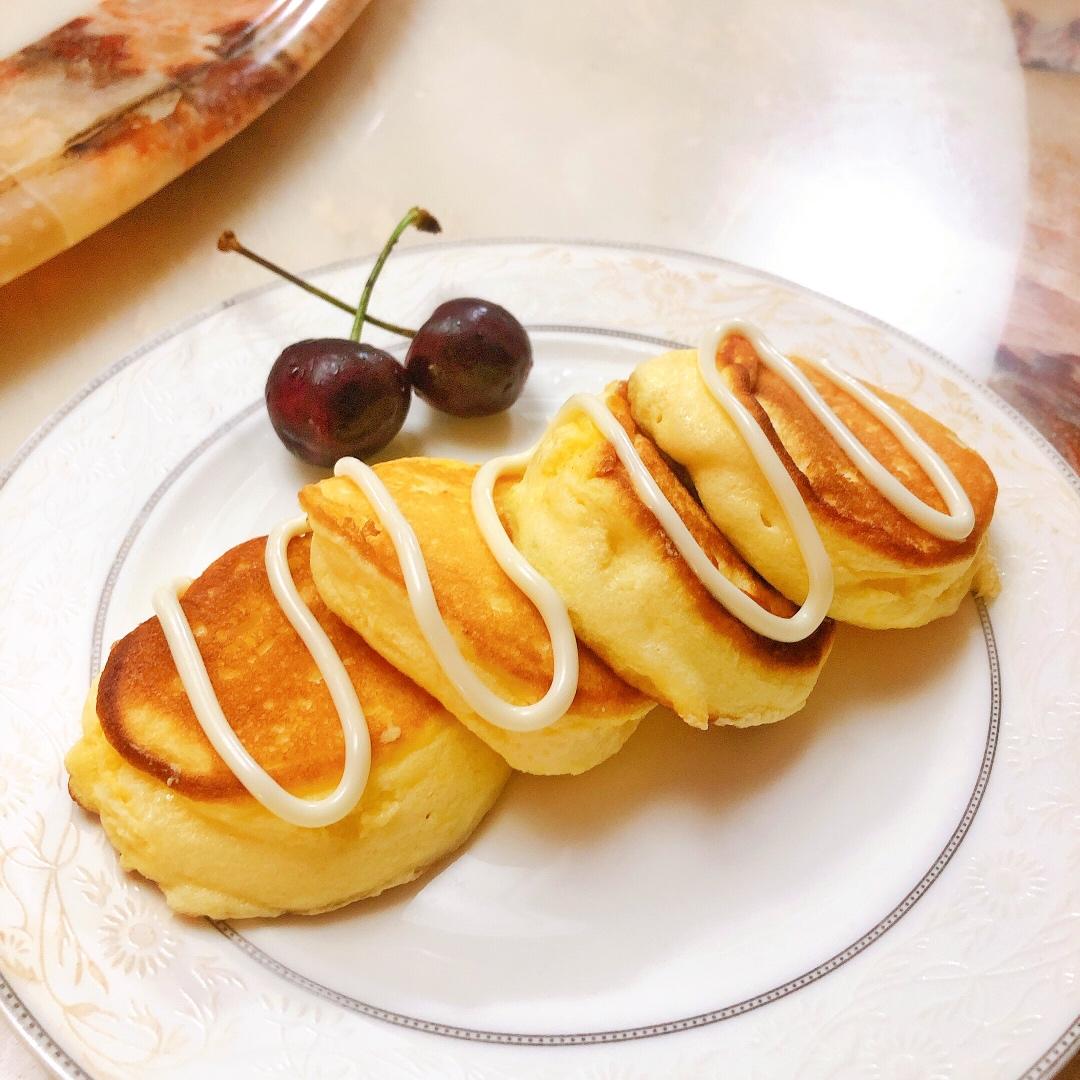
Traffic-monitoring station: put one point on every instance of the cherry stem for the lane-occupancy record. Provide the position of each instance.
(227, 241)
(417, 217)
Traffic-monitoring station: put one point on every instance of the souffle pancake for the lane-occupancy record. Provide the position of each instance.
(690, 537)
(888, 570)
(633, 598)
(497, 628)
(179, 816)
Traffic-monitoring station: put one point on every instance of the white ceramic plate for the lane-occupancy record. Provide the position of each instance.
(884, 885)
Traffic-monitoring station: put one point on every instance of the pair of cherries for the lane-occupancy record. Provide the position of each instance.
(330, 398)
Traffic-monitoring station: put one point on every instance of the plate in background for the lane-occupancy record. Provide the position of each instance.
(116, 98)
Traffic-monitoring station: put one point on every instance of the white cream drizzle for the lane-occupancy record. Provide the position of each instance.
(479, 697)
(309, 813)
(954, 525)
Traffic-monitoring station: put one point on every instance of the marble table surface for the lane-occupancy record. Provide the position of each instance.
(918, 161)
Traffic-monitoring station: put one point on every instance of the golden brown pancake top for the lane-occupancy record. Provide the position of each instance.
(477, 600)
(831, 485)
(716, 546)
(269, 687)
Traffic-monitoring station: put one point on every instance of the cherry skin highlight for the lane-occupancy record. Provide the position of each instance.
(471, 358)
(330, 398)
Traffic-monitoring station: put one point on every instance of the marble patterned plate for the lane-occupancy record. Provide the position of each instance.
(884, 885)
(121, 96)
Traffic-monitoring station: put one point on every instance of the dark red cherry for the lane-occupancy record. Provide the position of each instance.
(471, 358)
(330, 398)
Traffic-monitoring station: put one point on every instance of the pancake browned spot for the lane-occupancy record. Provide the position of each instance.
(832, 486)
(269, 687)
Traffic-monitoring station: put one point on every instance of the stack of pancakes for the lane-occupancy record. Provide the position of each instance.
(648, 630)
